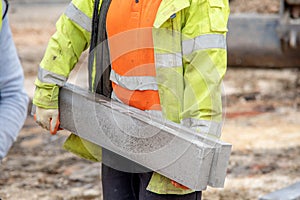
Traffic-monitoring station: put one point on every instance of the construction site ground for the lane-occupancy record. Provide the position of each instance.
(262, 122)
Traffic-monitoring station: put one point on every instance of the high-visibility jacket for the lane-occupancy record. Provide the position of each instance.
(189, 38)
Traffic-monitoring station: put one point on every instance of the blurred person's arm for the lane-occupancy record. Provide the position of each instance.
(13, 99)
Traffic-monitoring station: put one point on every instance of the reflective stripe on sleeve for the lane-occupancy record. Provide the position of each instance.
(134, 82)
(46, 76)
(168, 60)
(78, 17)
(204, 126)
(202, 42)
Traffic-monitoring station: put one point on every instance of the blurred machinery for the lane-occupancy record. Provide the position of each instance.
(266, 40)
(289, 28)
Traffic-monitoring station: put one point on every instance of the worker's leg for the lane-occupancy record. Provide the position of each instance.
(120, 178)
(152, 196)
(147, 195)
(118, 185)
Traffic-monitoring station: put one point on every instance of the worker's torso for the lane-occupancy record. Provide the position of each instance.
(129, 29)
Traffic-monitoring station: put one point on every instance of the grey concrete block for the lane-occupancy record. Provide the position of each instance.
(176, 152)
(291, 192)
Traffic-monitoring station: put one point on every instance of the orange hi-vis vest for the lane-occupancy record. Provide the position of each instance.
(129, 30)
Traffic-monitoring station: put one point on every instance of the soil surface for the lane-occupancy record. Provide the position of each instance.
(255, 6)
(262, 123)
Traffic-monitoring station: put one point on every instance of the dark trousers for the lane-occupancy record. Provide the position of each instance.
(119, 185)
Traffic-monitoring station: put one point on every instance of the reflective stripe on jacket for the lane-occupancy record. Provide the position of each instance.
(190, 60)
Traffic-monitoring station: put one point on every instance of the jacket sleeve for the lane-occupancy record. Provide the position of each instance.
(204, 61)
(13, 98)
(64, 49)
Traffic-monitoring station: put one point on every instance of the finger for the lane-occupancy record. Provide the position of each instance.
(42, 123)
(54, 125)
(178, 185)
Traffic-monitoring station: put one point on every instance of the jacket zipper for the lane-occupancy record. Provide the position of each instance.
(172, 21)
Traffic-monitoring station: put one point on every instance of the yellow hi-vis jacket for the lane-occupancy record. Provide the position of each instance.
(189, 39)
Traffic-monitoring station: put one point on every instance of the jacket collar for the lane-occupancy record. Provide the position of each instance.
(167, 8)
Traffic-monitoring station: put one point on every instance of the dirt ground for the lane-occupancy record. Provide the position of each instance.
(255, 6)
(262, 123)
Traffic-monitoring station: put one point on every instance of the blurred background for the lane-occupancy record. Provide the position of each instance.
(261, 104)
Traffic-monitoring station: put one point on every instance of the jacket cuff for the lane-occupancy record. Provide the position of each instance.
(46, 97)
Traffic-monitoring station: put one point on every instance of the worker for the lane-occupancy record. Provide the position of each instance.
(165, 57)
(13, 98)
